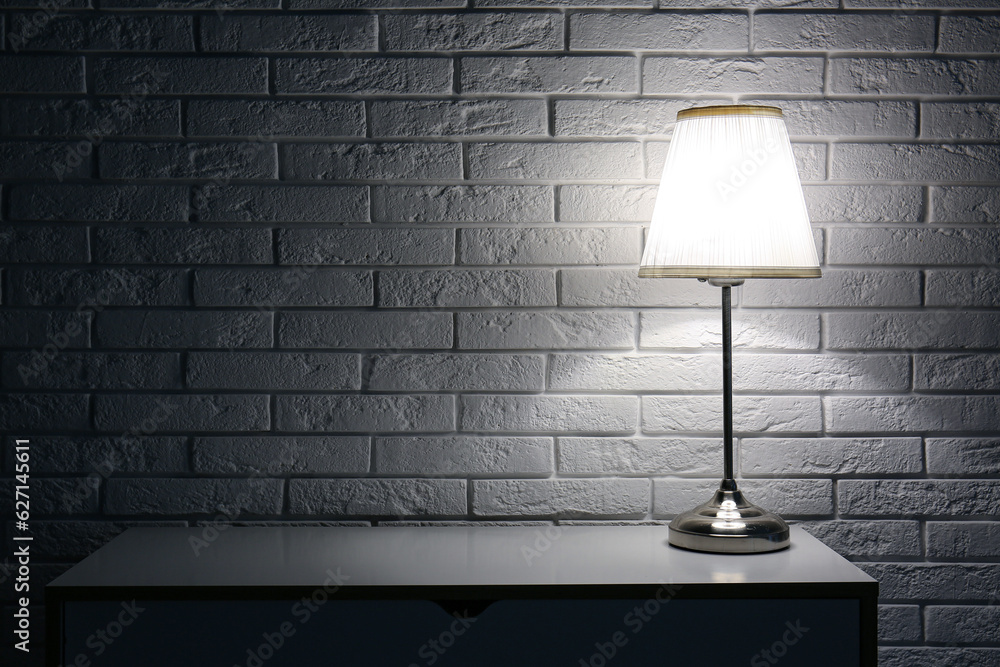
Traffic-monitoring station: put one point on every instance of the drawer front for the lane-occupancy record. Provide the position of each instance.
(421, 633)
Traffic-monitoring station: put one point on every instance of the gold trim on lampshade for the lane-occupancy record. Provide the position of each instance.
(730, 203)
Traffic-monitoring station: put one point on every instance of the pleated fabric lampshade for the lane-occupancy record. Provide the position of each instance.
(730, 204)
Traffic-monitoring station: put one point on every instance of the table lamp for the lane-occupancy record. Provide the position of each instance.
(729, 207)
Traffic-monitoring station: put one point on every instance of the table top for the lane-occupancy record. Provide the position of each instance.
(440, 557)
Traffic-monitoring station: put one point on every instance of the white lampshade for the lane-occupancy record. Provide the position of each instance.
(730, 203)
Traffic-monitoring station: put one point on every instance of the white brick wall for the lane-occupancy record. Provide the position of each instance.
(382, 257)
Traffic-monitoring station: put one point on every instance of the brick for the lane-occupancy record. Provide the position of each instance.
(513, 330)
(455, 372)
(624, 288)
(663, 32)
(181, 76)
(912, 414)
(941, 329)
(606, 203)
(549, 74)
(564, 3)
(417, 161)
(417, 118)
(955, 372)
(105, 287)
(45, 160)
(319, 76)
(207, 5)
(463, 455)
(366, 414)
(618, 117)
(92, 455)
(783, 31)
(913, 76)
(843, 118)
(193, 496)
(377, 497)
(960, 120)
(899, 623)
(949, 246)
(34, 412)
(639, 456)
(372, 4)
(54, 496)
(934, 581)
(183, 329)
(173, 413)
(520, 161)
(35, 328)
(40, 243)
(182, 245)
(563, 498)
(965, 204)
(262, 203)
(962, 287)
(366, 246)
(951, 540)
(223, 162)
(273, 370)
(537, 245)
(268, 455)
(787, 497)
(932, 657)
(868, 539)
(963, 624)
(103, 32)
(732, 75)
(365, 330)
(303, 286)
(913, 162)
(864, 203)
(634, 372)
(755, 4)
(273, 118)
(969, 34)
(463, 203)
(837, 288)
(751, 414)
(95, 117)
(819, 372)
(467, 288)
(99, 202)
(303, 32)
(963, 456)
(830, 456)
(750, 330)
(472, 32)
(94, 370)
(873, 497)
(41, 74)
(574, 414)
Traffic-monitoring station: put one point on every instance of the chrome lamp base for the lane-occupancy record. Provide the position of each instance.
(729, 523)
